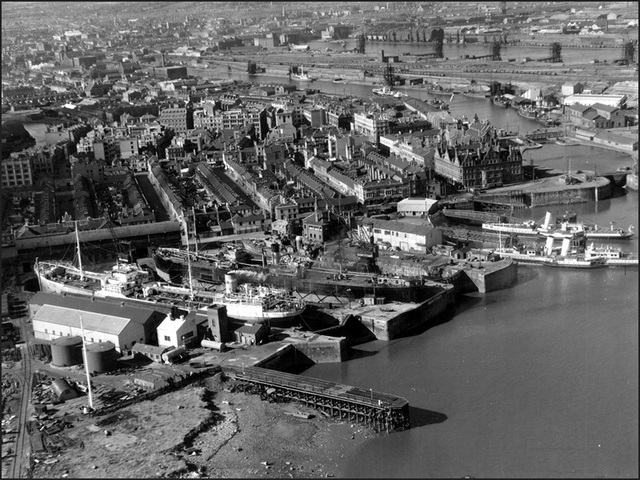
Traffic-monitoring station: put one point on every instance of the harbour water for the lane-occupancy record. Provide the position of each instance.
(538, 380)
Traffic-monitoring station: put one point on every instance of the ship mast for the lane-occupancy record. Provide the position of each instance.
(78, 248)
(86, 367)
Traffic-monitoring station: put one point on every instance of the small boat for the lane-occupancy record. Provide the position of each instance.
(500, 101)
(387, 92)
(435, 91)
(302, 76)
(338, 80)
(529, 113)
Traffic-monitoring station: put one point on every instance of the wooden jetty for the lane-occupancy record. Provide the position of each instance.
(379, 411)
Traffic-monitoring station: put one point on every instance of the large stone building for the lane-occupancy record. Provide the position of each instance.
(479, 164)
(373, 126)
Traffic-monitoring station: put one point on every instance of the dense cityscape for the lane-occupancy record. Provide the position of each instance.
(277, 239)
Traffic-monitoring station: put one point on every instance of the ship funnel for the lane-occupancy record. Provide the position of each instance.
(566, 243)
(547, 221)
(230, 283)
(548, 248)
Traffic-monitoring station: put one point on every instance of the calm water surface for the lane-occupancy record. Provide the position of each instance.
(538, 380)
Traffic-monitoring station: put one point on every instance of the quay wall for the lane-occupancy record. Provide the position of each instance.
(570, 195)
(305, 354)
(424, 313)
(632, 181)
(281, 359)
(495, 278)
(323, 352)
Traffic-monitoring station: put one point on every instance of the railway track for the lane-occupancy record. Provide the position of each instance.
(22, 445)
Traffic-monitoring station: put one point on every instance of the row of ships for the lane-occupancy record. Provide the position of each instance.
(575, 250)
(252, 290)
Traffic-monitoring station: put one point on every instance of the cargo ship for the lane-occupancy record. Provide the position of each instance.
(348, 284)
(172, 263)
(123, 280)
(250, 302)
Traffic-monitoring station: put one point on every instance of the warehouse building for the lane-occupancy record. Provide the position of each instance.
(54, 316)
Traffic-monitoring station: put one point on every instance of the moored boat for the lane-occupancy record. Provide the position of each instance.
(500, 101)
(123, 280)
(577, 262)
(612, 255)
(529, 113)
(249, 302)
(302, 76)
(527, 228)
(386, 92)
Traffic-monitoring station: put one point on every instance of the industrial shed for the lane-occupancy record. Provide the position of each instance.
(55, 316)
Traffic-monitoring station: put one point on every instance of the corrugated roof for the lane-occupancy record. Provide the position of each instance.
(92, 322)
(107, 307)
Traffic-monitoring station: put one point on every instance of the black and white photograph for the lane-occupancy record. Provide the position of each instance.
(273, 239)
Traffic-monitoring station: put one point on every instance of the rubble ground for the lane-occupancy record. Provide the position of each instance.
(205, 429)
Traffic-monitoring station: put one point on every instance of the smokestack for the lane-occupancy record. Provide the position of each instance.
(548, 248)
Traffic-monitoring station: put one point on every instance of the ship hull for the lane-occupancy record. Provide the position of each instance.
(351, 287)
(51, 286)
(510, 229)
(174, 271)
(529, 115)
(608, 235)
(258, 315)
(579, 264)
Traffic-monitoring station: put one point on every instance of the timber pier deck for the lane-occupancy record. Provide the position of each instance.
(380, 411)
